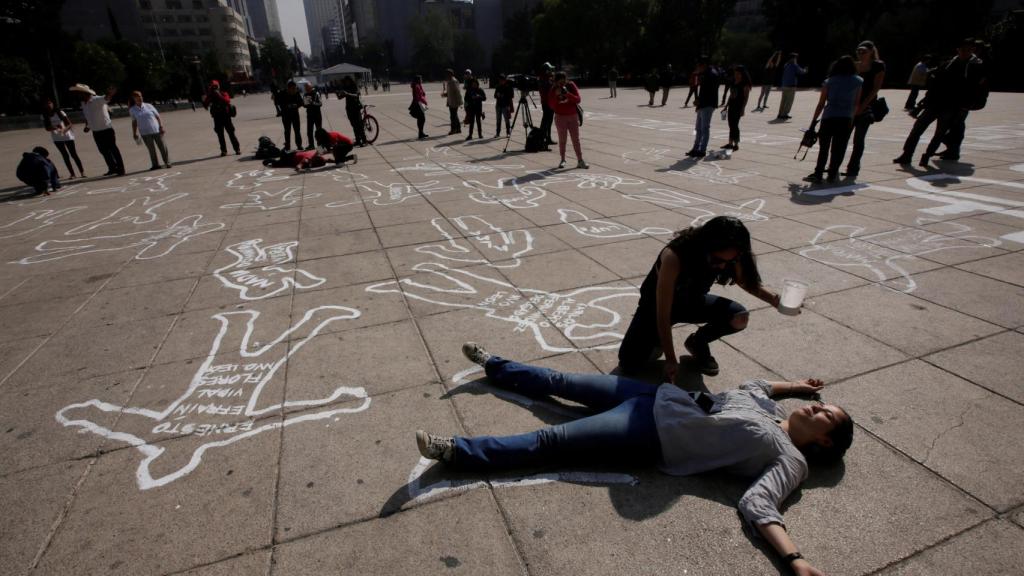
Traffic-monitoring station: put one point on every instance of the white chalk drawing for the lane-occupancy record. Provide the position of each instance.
(147, 244)
(582, 180)
(267, 190)
(507, 193)
(381, 194)
(153, 183)
(35, 220)
(701, 209)
(999, 137)
(948, 201)
(223, 401)
(136, 212)
(583, 315)
(652, 155)
(500, 249)
(595, 228)
(712, 172)
(419, 493)
(64, 191)
(886, 253)
(259, 271)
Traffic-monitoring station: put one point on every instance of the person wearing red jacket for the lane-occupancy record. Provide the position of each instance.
(336, 143)
(219, 105)
(563, 99)
(418, 107)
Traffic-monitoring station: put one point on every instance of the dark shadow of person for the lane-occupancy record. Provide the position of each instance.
(681, 165)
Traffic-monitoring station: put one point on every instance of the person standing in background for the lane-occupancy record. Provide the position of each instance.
(453, 93)
(705, 104)
(219, 105)
(147, 123)
(767, 79)
(918, 80)
(872, 70)
(354, 109)
(314, 118)
(563, 99)
(290, 101)
(97, 120)
(418, 107)
(839, 99)
(504, 94)
(59, 126)
(613, 80)
(791, 74)
(666, 78)
(693, 88)
(739, 94)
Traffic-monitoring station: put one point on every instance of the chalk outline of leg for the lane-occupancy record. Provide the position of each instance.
(565, 214)
(155, 183)
(484, 235)
(525, 196)
(151, 452)
(448, 276)
(123, 215)
(749, 211)
(46, 217)
(249, 254)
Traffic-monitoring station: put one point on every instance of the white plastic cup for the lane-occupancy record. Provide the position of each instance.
(793, 292)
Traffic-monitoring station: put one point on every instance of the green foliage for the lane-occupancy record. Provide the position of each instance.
(433, 41)
(466, 50)
(277, 60)
(97, 67)
(18, 91)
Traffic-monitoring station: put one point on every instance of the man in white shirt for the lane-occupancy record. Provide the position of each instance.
(97, 120)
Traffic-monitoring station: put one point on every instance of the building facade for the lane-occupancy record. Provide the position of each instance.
(197, 26)
(266, 22)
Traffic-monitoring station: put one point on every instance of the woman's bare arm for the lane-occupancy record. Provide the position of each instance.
(805, 386)
(667, 274)
(777, 536)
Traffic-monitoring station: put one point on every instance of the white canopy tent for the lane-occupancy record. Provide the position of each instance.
(339, 71)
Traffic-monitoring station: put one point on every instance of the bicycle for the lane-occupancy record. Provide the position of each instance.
(370, 125)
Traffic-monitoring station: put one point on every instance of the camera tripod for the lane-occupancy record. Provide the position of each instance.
(527, 118)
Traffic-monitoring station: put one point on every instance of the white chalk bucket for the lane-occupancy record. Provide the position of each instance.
(793, 292)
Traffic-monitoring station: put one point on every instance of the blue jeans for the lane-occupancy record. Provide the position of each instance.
(700, 143)
(621, 432)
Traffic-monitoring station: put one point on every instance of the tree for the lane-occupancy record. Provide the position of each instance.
(20, 88)
(277, 60)
(97, 66)
(432, 41)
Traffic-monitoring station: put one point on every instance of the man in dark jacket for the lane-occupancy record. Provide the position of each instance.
(36, 170)
(966, 78)
(548, 116)
(290, 101)
(665, 79)
(218, 103)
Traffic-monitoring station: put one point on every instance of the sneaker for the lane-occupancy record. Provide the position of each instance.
(470, 137)
(168, 165)
(154, 167)
(706, 363)
(441, 448)
(561, 164)
(582, 165)
(475, 353)
(902, 159)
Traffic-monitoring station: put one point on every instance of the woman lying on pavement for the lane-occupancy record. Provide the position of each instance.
(638, 423)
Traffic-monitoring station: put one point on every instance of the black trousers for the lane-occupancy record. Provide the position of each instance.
(860, 132)
(314, 122)
(67, 151)
(546, 120)
(341, 152)
(833, 137)
(454, 119)
(912, 97)
(957, 129)
(715, 312)
(355, 117)
(421, 119)
(106, 142)
(476, 117)
(222, 124)
(733, 115)
(291, 122)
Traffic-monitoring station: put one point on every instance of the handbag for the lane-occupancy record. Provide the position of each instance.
(879, 108)
(809, 139)
(232, 110)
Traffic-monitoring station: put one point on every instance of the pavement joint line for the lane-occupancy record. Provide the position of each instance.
(58, 522)
(936, 544)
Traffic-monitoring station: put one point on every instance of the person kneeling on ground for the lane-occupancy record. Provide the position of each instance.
(637, 423)
(337, 144)
(677, 290)
(36, 170)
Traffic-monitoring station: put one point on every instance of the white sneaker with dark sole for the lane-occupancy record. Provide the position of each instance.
(440, 448)
(475, 353)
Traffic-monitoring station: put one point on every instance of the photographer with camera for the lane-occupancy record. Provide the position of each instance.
(563, 99)
(544, 90)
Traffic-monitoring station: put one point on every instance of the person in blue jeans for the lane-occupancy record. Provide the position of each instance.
(708, 81)
(839, 99)
(634, 422)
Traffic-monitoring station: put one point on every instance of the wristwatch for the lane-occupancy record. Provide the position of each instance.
(790, 558)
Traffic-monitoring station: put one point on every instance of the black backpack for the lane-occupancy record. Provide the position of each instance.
(266, 148)
(536, 141)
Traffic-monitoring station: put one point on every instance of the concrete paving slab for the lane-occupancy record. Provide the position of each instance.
(252, 563)
(960, 430)
(908, 324)
(106, 530)
(560, 271)
(993, 548)
(114, 306)
(627, 259)
(33, 501)
(32, 434)
(810, 346)
(990, 300)
(473, 541)
(1008, 268)
(992, 362)
(21, 321)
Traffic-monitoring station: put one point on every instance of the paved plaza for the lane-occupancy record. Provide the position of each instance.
(218, 368)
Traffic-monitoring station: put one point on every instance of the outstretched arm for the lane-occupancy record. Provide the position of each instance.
(805, 386)
(783, 544)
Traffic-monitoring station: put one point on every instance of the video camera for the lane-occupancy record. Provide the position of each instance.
(524, 82)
